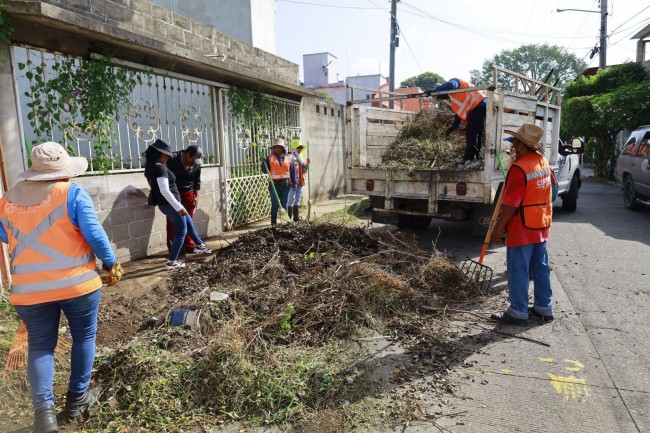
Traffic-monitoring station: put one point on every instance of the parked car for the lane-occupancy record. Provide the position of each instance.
(633, 169)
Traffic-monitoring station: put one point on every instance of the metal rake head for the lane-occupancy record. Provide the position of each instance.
(478, 273)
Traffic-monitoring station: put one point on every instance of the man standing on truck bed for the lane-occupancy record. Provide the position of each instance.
(526, 213)
(469, 108)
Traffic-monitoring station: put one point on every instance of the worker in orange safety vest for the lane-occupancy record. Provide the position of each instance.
(470, 108)
(282, 176)
(53, 234)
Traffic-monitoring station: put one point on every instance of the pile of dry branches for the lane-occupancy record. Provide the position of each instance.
(308, 283)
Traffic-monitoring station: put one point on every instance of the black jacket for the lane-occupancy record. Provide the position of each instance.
(186, 180)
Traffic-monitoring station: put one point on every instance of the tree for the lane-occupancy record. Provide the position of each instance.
(602, 105)
(425, 81)
(534, 61)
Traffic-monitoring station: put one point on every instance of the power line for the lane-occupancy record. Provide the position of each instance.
(327, 6)
(399, 29)
(636, 15)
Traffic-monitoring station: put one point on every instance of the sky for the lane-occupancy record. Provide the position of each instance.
(450, 37)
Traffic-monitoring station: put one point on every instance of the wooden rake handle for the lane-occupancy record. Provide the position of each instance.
(493, 223)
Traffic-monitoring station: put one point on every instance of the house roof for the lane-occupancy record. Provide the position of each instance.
(643, 33)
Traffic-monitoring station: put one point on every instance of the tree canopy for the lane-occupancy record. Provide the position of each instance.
(425, 81)
(602, 105)
(534, 61)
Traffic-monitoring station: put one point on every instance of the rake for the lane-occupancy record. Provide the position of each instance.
(17, 356)
(474, 270)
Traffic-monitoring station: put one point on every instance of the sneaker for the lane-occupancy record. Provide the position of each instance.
(202, 249)
(507, 319)
(539, 317)
(171, 265)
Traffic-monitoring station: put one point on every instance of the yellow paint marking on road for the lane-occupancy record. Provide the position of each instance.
(506, 371)
(569, 386)
(548, 360)
(578, 365)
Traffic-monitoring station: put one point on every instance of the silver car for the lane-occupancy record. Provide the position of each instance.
(633, 169)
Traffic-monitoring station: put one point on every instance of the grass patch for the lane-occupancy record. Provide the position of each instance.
(350, 216)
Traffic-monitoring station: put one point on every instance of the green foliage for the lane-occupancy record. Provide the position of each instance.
(425, 81)
(603, 105)
(534, 61)
(80, 97)
(607, 80)
(286, 322)
(5, 24)
(250, 106)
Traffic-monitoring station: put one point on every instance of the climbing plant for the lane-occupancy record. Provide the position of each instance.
(250, 106)
(5, 26)
(81, 98)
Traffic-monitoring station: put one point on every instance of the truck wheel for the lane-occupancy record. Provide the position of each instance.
(413, 222)
(570, 199)
(629, 194)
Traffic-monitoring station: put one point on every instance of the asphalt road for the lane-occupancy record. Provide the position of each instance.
(594, 375)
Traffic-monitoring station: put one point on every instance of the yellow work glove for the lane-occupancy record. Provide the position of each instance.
(115, 274)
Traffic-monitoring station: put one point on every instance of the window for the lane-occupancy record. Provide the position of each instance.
(318, 108)
(325, 111)
(629, 148)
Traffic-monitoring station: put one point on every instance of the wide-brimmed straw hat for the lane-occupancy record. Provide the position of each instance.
(279, 142)
(50, 161)
(530, 135)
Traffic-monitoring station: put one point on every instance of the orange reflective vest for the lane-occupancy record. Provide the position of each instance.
(280, 171)
(537, 207)
(464, 102)
(50, 259)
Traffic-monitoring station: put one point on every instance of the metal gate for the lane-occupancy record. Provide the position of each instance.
(247, 195)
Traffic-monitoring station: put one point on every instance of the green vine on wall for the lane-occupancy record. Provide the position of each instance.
(80, 98)
(250, 106)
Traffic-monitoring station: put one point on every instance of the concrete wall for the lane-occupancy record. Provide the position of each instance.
(324, 131)
(152, 29)
(250, 21)
(318, 69)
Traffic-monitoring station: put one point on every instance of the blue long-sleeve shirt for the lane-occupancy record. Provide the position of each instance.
(292, 170)
(83, 215)
(453, 84)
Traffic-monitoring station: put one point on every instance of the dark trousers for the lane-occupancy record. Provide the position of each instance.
(187, 200)
(282, 189)
(474, 132)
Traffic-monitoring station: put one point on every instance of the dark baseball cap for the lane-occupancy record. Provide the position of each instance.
(196, 153)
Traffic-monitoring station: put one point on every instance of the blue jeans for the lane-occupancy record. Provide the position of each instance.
(521, 260)
(294, 196)
(42, 322)
(283, 194)
(183, 226)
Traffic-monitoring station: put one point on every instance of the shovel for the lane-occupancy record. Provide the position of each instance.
(475, 270)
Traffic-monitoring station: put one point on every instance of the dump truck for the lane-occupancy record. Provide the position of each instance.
(411, 198)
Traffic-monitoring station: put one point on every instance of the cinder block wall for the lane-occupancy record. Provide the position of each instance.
(139, 22)
(323, 126)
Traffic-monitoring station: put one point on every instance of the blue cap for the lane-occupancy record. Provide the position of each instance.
(509, 139)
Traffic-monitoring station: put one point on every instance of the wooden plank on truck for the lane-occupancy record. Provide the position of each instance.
(381, 114)
(384, 129)
(362, 137)
(517, 102)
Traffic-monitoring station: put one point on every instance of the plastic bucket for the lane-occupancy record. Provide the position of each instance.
(182, 317)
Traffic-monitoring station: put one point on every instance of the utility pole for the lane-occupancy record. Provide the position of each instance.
(603, 34)
(393, 45)
(602, 49)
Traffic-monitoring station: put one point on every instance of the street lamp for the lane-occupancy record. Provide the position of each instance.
(603, 31)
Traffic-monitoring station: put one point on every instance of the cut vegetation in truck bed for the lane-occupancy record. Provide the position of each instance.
(423, 144)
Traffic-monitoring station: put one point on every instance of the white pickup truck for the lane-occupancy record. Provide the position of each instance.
(412, 197)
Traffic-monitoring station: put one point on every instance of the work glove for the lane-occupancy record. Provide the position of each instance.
(115, 274)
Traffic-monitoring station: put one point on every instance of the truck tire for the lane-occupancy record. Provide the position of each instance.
(570, 199)
(629, 194)
(413, 222)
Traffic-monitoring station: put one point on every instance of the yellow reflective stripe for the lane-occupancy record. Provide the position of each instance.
(541, 173)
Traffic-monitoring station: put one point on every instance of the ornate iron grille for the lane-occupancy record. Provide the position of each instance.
(165, 106)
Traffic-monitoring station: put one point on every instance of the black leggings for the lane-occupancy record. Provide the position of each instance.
(474, 132)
